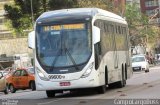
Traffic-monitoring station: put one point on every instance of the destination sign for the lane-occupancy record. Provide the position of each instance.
(65, 26)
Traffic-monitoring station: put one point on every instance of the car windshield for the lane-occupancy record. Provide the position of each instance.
(63, 45)
(138, 59)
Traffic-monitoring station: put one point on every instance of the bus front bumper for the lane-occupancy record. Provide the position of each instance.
(66, 85)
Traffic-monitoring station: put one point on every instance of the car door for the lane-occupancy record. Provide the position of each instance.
(24, 79)
(16, 78)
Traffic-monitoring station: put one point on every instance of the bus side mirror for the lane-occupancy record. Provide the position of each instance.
(31, 40)
(96, 34)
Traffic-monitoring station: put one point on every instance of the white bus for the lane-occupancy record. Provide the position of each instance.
(80, 48)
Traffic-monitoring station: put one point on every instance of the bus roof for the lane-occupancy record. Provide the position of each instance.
(79, 11)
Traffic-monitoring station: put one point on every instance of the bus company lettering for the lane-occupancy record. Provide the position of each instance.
(56, 77)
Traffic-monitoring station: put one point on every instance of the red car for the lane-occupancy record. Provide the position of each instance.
(21, 79)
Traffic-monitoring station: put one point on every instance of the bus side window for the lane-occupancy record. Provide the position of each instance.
(97, 53)
(97, 46)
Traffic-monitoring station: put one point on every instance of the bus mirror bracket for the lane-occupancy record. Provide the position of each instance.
(96, 34)
(31, 40)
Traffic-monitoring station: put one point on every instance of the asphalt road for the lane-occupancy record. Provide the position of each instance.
(144, 86)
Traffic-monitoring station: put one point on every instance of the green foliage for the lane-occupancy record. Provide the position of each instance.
(133, 15)
(61, 4)
(20, 13)
(140, 29)
(103, 4)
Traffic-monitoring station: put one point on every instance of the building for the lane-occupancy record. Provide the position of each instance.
(149, 7)
(152, 9)
(4, 31)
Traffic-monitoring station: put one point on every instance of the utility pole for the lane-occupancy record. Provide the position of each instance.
(32, 13)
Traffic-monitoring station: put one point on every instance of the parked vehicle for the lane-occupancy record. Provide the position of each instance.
(31, 70)
(21, 79)
(3, 83)
(157, 58)
(139, 63)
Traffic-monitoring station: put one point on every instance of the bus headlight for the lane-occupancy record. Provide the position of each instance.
(41, 75)
(88, 71)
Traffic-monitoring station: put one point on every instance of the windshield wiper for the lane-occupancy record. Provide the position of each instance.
(70, 56)
(55, 59)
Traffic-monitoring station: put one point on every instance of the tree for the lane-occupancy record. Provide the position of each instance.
(19, 14)
(140, 30)
(61, 4)
(138, 25)
(103, 4)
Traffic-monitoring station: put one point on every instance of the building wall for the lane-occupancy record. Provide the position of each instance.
(11, 47)
(148, 6)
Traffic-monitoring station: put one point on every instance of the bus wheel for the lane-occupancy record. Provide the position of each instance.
(121, 83)
(50, 93)
(101, 89)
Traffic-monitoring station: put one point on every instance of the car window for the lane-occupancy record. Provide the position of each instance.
(138, 59)
(23, 73)
(17, 73)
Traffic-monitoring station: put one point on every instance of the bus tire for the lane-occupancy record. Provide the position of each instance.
(126, 72)
(106, 75)
(122, 83)
(50, 93)
(101, 89)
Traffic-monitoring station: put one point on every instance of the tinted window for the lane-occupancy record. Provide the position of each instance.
(17, 73)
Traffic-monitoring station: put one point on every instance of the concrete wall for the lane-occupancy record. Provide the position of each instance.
(11, 47)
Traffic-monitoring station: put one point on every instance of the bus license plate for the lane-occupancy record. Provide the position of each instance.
(64, 83)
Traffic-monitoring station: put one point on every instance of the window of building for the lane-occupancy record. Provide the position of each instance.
(151, 3)
(150, 12)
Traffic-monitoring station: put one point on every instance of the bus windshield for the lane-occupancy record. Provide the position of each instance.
(63, 45)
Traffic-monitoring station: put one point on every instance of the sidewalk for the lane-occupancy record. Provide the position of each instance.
(154, 65)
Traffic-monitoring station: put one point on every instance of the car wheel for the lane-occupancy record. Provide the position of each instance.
(12, 89)
(146, 70)
(6, 91)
